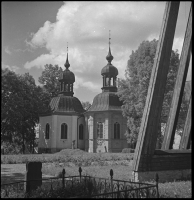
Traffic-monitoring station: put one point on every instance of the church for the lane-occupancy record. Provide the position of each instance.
(100, 128)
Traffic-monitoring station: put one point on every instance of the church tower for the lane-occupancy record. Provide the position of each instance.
(63, 128)
(104, 121)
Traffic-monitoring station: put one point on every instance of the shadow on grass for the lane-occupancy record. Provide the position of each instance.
(12, 177)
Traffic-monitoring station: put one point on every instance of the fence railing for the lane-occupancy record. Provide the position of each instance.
(84, 186)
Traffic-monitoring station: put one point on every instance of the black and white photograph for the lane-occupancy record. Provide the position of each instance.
(96, 99)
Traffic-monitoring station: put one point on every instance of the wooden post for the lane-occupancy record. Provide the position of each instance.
(187, 130)
(147, 137)
(179, 87)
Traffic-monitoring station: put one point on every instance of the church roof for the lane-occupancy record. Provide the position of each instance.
(66, 104)
(106, 101)
(109, 70)
(67, 76)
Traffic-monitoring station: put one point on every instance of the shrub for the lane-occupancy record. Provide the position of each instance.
(80, 189)
(128, 150)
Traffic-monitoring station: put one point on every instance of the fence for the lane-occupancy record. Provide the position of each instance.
(83, 186)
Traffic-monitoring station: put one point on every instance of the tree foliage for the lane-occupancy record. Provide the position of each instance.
(49, 78)
(133, 89)
(22, 102)
(86, 104)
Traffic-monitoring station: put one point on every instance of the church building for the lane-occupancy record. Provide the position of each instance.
(59, 129)
(99, 129)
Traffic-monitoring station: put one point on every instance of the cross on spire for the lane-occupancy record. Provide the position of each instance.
(109, 57)
(109, 38)
(67, 65)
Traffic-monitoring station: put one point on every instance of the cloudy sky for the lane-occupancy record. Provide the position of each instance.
(36, 33)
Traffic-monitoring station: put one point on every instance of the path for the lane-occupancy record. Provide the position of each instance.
(14, 172)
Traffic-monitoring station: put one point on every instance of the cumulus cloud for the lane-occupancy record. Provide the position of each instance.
(85, 26)
(12, 68)
(7, 50)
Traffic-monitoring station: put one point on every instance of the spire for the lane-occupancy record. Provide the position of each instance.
(109, 57)
(67, 65)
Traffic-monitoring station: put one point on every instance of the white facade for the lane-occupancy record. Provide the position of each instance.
(107, 143)
(55, 143)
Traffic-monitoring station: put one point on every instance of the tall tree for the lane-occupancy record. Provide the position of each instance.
(49, 78)
(86, 104)
(133, 89)
(22, 102)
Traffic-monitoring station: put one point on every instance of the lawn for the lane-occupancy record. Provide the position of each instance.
(98, 165)
(78, 157)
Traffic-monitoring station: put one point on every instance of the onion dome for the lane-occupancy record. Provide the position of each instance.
(106, 101)
(67, 75)
(109, 73)
(66, 80)
(109, 69)
(66, 104)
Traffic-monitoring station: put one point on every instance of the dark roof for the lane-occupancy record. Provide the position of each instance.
(66, 104)
(106, 101)
(109, 70)
(67, 76)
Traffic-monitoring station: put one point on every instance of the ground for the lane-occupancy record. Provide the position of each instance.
(13, 172)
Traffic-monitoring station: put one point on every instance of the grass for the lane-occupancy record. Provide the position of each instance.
(77, 157)
(178, 189)
(97, 165)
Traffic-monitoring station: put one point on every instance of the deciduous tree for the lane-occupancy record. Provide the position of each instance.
(49, 78)
(22, 103)
(133, 89)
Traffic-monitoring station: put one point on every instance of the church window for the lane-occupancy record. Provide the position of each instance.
(61, 86)
(63, 131)
(47, 131)
(99, 130)
(107, 81)
(116, 130)
(81, 132)
(66, 88)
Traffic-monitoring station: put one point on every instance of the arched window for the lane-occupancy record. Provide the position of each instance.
(81, 132)
(116, 130)
(99, 130)
(47, 131)
(107, 81)
(63, 131)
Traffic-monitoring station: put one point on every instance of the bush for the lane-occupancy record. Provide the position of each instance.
(81, 189)
(79, 158)
(128, 150)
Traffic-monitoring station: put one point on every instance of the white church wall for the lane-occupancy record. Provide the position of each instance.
(64, 143)
(44, 143)
(101, 145)
(86, 134)
(81, 143)
(90, 133)
(118, 144)
(54, 134)
(74, 130)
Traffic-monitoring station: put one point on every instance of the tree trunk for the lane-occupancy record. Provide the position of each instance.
(159, 139)
(34, 135)
(23, 141)
(23, 144)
